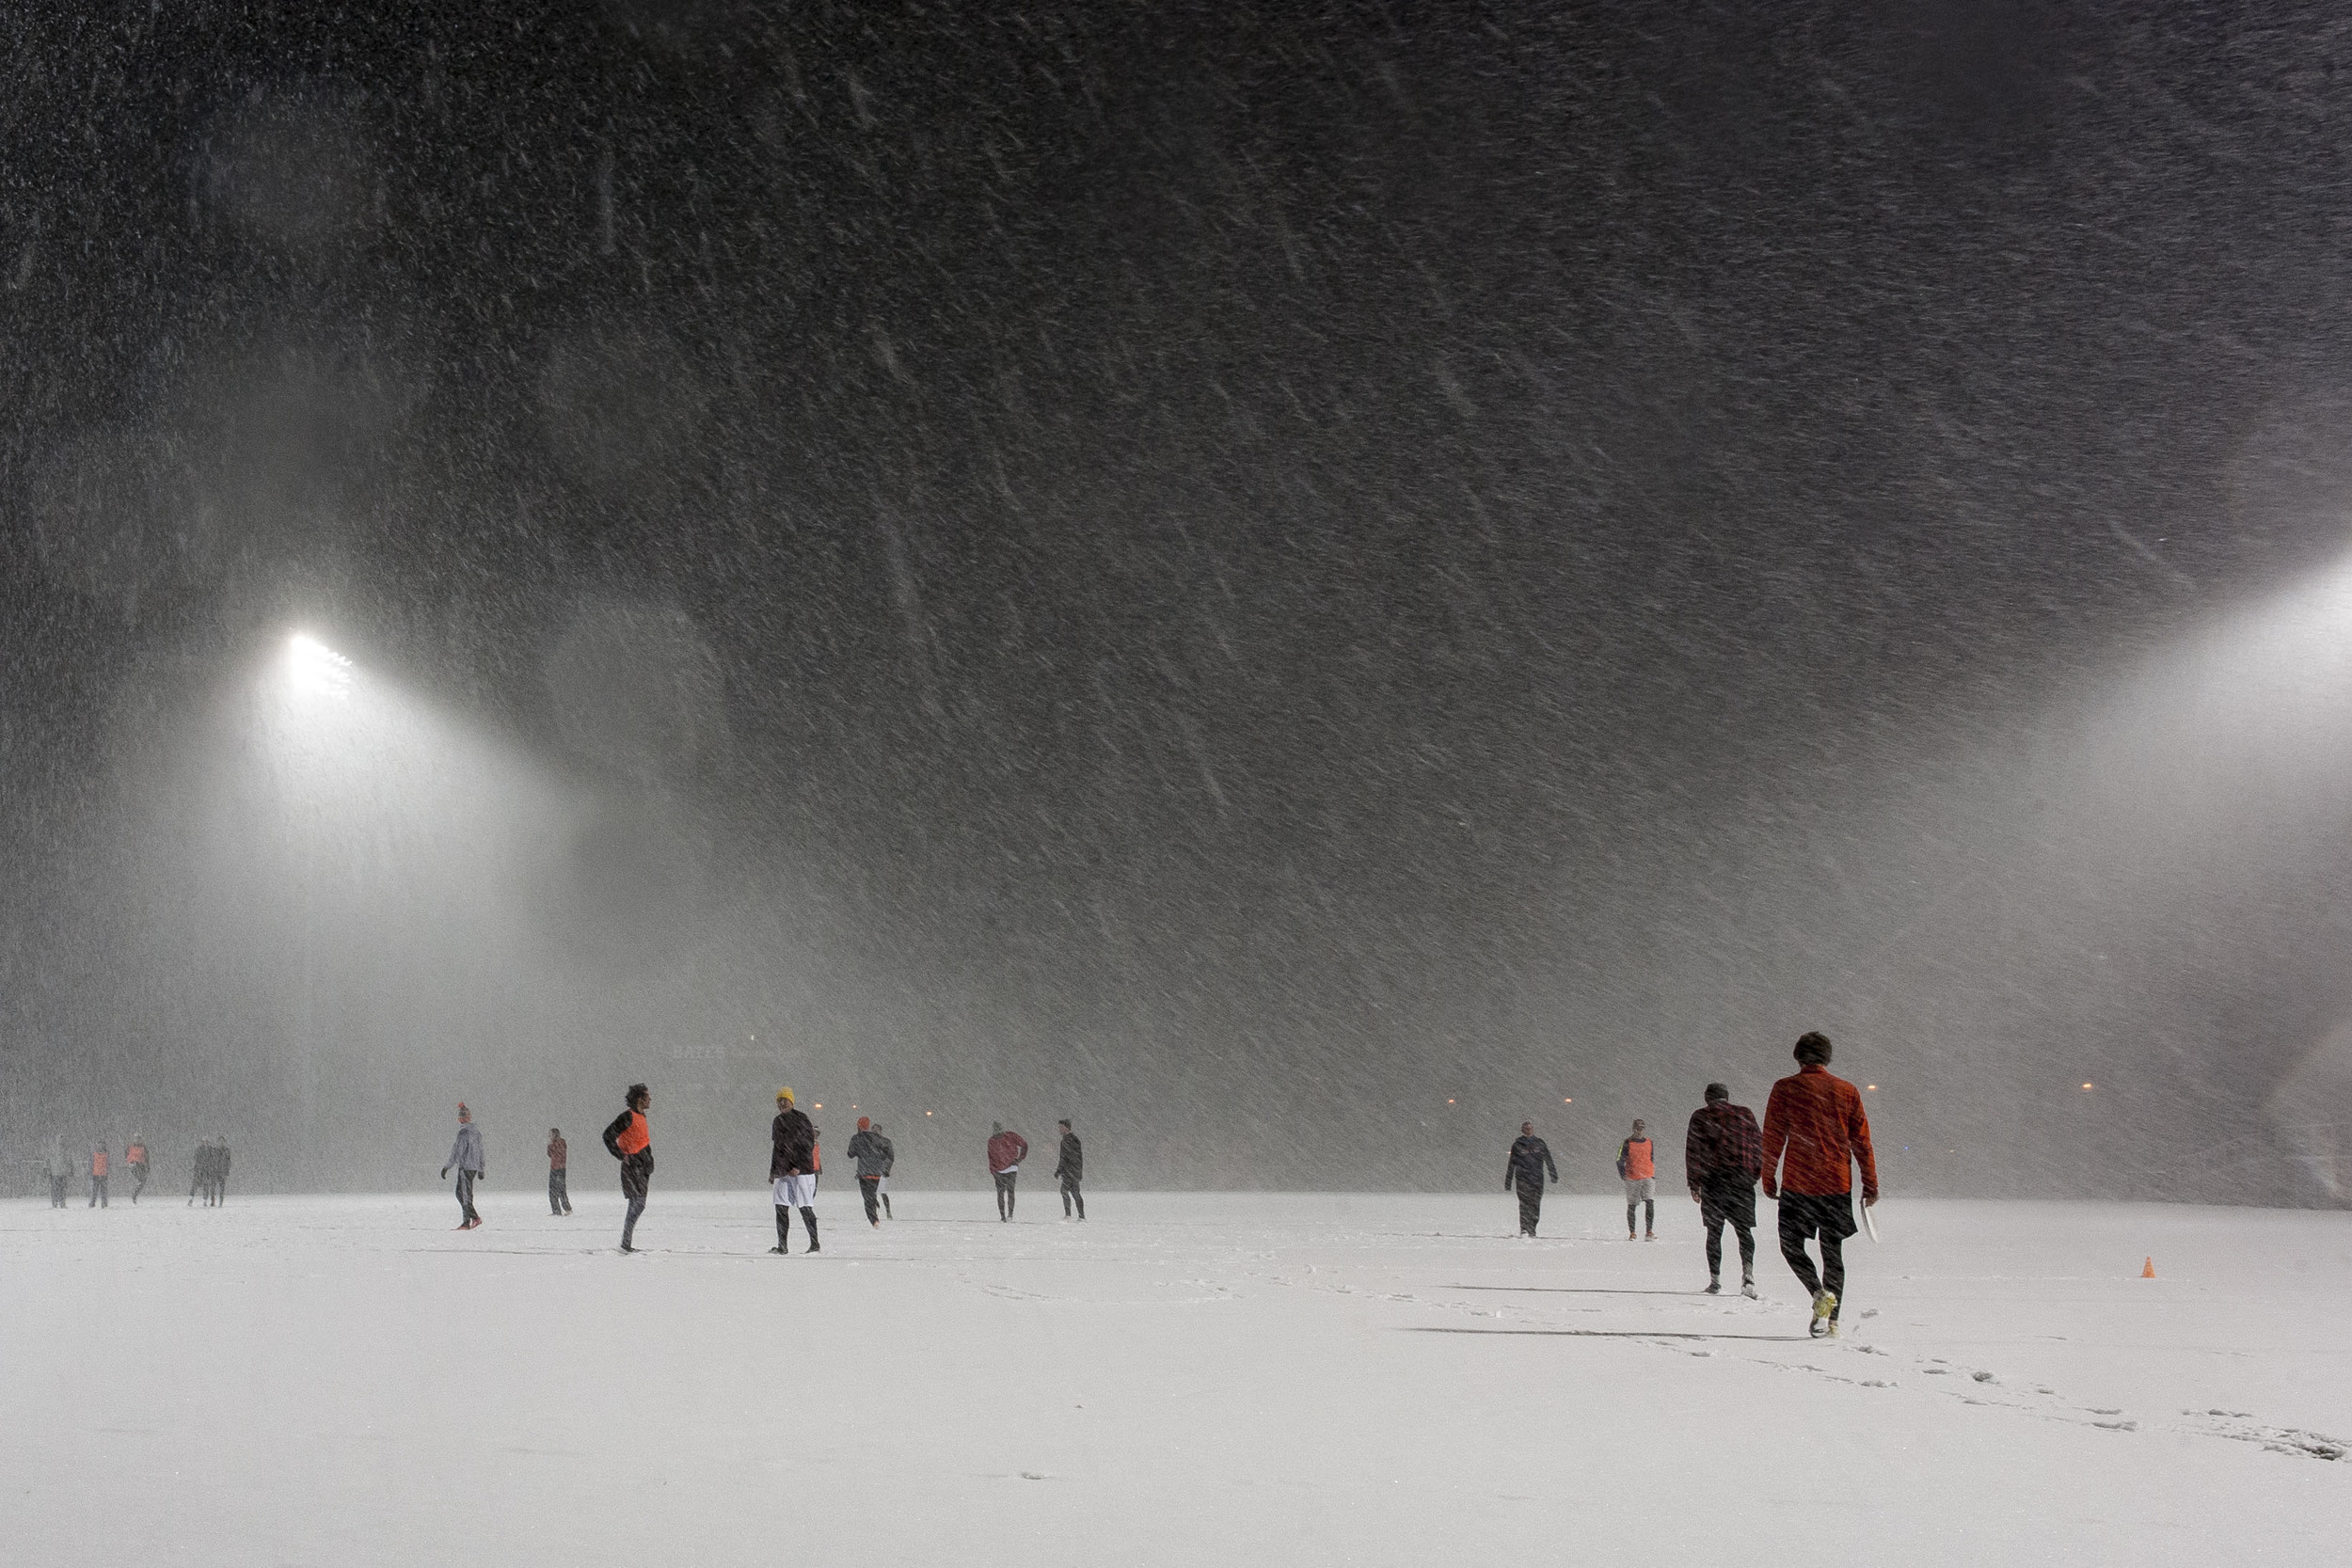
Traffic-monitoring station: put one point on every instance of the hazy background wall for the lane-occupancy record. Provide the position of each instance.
(1298, 589)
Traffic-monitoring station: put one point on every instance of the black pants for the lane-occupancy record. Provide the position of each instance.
(1004, 1192)
(1070, 1195)
(559, 1191)
(1530, 1206)
(1829, 1216)
(869, 1188)
(1732, 1202)
(636, 1181)
(465, 1196)
(808, 1217)
(139, 1175)
(56, 1192)
(98, 1192)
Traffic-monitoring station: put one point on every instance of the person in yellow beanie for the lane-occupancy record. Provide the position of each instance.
(792, 1170)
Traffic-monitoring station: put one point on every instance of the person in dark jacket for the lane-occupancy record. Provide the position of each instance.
(1531, 1157)
(1005, 1150)
(1722, 1155)
(873, 1154)
(629, 1140)
(1069, 1170)
(201, 1175)
(792, 1170)
(220, 1171)
(559, 1173)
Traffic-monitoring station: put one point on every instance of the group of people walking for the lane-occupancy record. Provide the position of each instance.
(1815, 1133)
(795, 1163)
(97, 1167)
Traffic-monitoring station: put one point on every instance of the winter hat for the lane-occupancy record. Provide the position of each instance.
(863, 1124)
(1715, 1092)
(784, 1097)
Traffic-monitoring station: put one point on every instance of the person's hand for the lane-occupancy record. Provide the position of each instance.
(444, 1173)
(1871, 1201)
(1694, 1197)
(1772, 1192)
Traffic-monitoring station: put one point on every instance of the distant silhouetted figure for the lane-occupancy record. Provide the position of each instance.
(220, 1171)
(1637, 1165)
(1721, 1156)
(464, 1158)
(136, 1157)
(873, 1154)
(792, 1170)
(200, 1174)
(631, 1140)
(97, 1167)
(1069, 1170)
(1005, 1150)
(1531, 1157)
(60, 1171)
(559, 1178)
(1817, 1121)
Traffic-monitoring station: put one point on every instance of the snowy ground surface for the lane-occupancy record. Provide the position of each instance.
(1184, 1378)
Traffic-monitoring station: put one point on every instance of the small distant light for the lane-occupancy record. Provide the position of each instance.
(2085, 1085)
(927, 1112)
(1448, 1102)
(820, 1105)
(1874, 1085)
(1568, 1101)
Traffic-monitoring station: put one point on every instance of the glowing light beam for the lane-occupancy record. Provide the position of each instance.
(317, 668)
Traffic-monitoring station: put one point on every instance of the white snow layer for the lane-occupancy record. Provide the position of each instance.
(1183, 1379)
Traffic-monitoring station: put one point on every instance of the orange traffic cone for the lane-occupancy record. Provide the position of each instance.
(2148, 1270)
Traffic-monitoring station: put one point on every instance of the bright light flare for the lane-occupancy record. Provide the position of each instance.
(317, 668)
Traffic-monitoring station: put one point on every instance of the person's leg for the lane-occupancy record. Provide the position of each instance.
(1078, 1197)
(1003, 1187)
(1010, 1182)
(1632, 1207)
(633, 1187)
(808, 1217)
(868, 1192)
(1530, 1208)
(1714, 1221)
(1793, 1235)
(1747, 1247)
(1833, 1268)
(1065, 1197)
(883, 1188)
(1649, 1216)
(784, 1228)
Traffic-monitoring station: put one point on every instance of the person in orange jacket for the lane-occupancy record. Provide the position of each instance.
(136, 1157)
(1816, 1121)
(1637, 1168)
(629, 1139)
(97, 1164)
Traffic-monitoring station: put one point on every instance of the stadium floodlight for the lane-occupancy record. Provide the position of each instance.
(316, 668)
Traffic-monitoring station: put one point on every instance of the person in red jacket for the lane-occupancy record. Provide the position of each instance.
(98, 1176)
(1814, 1120)
(136, 1157)
(629, 1140)
(1005, 1150)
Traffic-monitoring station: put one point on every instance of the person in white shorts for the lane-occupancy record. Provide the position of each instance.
(792, 1170)
(1637, 1163)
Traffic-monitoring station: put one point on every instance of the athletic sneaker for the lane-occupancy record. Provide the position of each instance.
(1747, 1289)
(1651, 1237)
(779, 1251)
(1714, 1286)
(1823, 1305)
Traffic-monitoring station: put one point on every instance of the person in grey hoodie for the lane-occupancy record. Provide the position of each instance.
(59, 1172)
(874, 1157)
(465, 1156)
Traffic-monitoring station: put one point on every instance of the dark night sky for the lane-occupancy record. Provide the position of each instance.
(1256, 568)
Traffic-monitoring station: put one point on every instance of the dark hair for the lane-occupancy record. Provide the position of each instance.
(1064, 1122)
(636, 1093)
(1813, 1048)
(1715, 1092)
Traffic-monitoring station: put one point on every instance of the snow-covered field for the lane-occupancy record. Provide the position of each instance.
(1184, 1378)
